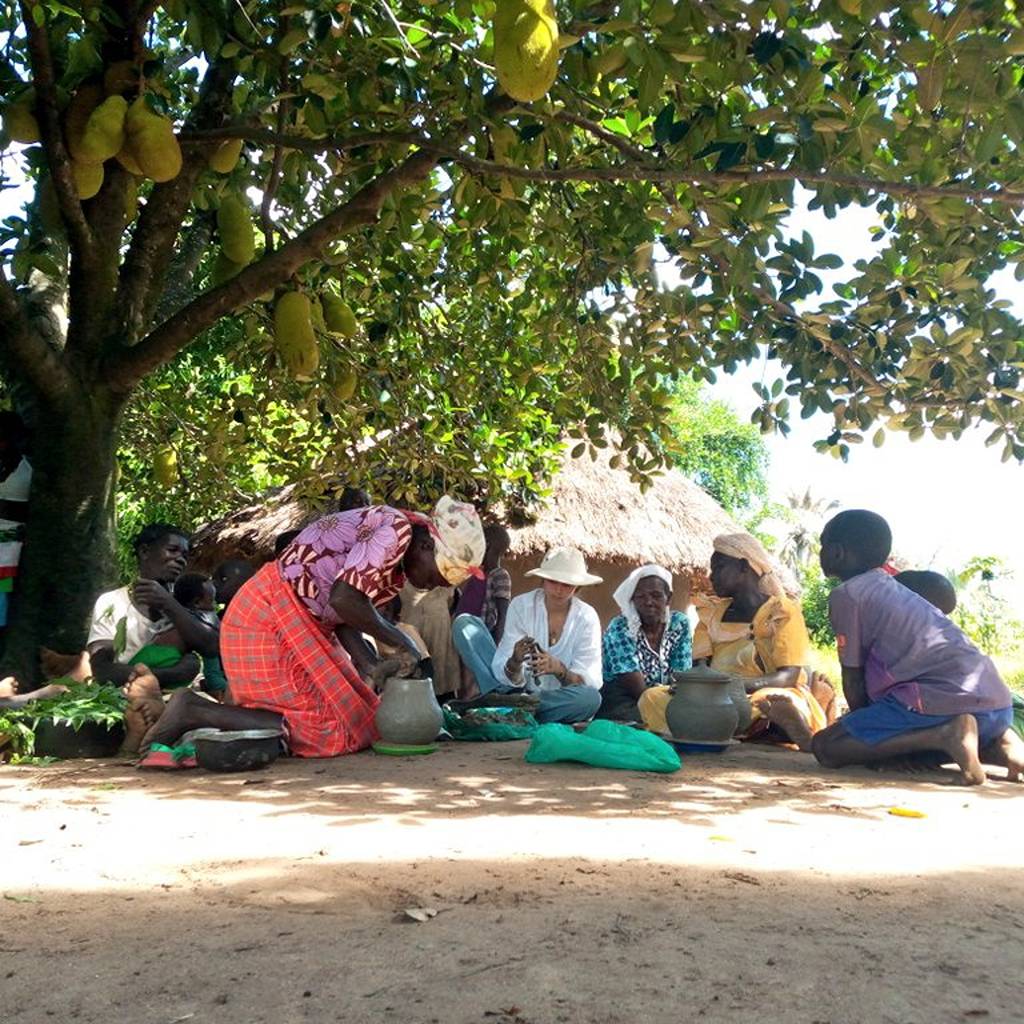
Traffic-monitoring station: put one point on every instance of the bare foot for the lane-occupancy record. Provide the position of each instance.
(962, 745)
(138, 720)
(179, 716)
(1008, 751)
(143, 688)
(8, 687)
(142, 685)
(781, 710)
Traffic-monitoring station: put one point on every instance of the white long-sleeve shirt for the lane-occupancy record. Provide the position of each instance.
(578, 648)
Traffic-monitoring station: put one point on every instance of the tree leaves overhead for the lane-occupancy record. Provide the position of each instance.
(518, 288)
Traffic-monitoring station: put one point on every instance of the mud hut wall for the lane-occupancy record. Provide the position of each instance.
(600, 595)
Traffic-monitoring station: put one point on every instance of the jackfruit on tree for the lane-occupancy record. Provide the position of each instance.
(225, 156)
(338, 316)
(131, 200)
(346, 385)
(165, 466)
(88, 178)
(127, 161)
(224, 269)
(20, 123)
(525, 47)
(234, 223)
(293, 335)
(152, 142)
(76, 116)
(104, 131)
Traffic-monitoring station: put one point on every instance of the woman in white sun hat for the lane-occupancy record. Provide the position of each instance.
(551, 644)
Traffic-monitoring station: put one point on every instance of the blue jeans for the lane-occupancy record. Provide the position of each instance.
(476, 647)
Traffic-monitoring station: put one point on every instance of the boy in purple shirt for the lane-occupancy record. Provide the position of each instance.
(913, 681)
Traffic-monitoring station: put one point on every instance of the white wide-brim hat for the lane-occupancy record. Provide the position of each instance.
(565, 565)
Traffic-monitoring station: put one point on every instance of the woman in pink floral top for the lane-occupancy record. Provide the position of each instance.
(291, 640)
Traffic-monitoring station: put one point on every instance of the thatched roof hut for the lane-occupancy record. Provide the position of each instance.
(592, 506)
(600, 510)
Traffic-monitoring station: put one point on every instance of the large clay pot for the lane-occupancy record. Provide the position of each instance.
(408, 712)
(702, 712)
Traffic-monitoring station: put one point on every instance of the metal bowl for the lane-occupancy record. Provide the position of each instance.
(237, 751)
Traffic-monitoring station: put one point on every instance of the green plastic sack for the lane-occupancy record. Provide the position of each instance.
(480, 724)
(605, 744)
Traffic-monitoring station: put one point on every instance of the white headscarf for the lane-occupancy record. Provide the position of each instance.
(623, 595)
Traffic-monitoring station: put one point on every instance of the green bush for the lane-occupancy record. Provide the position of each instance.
(816, 589)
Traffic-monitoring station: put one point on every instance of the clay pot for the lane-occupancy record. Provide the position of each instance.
(702, 712)
(408, 712)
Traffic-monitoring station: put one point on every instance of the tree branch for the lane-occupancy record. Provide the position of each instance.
(126, 367)
(643, 170)
(160, 222)
(57, 158)
(212, 137)
(129, 367)
(697, 176)
(179, 287)
(28, 354)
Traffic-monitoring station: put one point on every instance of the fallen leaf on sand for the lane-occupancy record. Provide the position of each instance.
(906, 812)
(721, 839)
(742, 876)
(420, 914)
(17, 898)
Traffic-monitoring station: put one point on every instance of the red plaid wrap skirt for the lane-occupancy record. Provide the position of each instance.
(276, 657)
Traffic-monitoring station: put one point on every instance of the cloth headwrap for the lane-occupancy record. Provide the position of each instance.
(750, 550)
(458, 540)
(623, 595)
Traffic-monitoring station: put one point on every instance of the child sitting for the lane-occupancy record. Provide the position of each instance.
(913, 680)
(197, 593)
(932, 586)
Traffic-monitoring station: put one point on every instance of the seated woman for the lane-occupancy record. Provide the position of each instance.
(644, 645)
(144, 624)
(291, 639)
(756, 634)
(551, 644)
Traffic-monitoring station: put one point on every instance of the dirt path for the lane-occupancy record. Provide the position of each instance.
(744, 888)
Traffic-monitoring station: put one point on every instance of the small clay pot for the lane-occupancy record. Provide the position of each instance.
(408, 712)
(701, 712)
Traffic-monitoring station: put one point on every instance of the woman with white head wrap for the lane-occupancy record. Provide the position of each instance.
(753, 632)
(643, 645)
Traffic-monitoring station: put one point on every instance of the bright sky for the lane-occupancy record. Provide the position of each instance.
(945, 500)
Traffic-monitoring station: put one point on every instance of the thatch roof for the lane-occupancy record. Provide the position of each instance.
(592, 506)
(601, 511)
(250, 532)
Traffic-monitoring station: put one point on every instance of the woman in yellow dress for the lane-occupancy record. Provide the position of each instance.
(750, 630)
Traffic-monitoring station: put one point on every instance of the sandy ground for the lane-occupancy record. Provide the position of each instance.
(748, 887)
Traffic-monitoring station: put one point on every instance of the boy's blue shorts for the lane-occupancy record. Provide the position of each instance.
(888, 718)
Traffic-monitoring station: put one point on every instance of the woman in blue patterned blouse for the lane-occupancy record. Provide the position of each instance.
(643, 645)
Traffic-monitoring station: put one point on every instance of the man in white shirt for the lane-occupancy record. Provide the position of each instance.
(128, 619)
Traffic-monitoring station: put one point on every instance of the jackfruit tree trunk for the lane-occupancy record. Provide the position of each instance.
(68, 555)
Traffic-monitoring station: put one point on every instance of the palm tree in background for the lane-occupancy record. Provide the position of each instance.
(805, 515)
